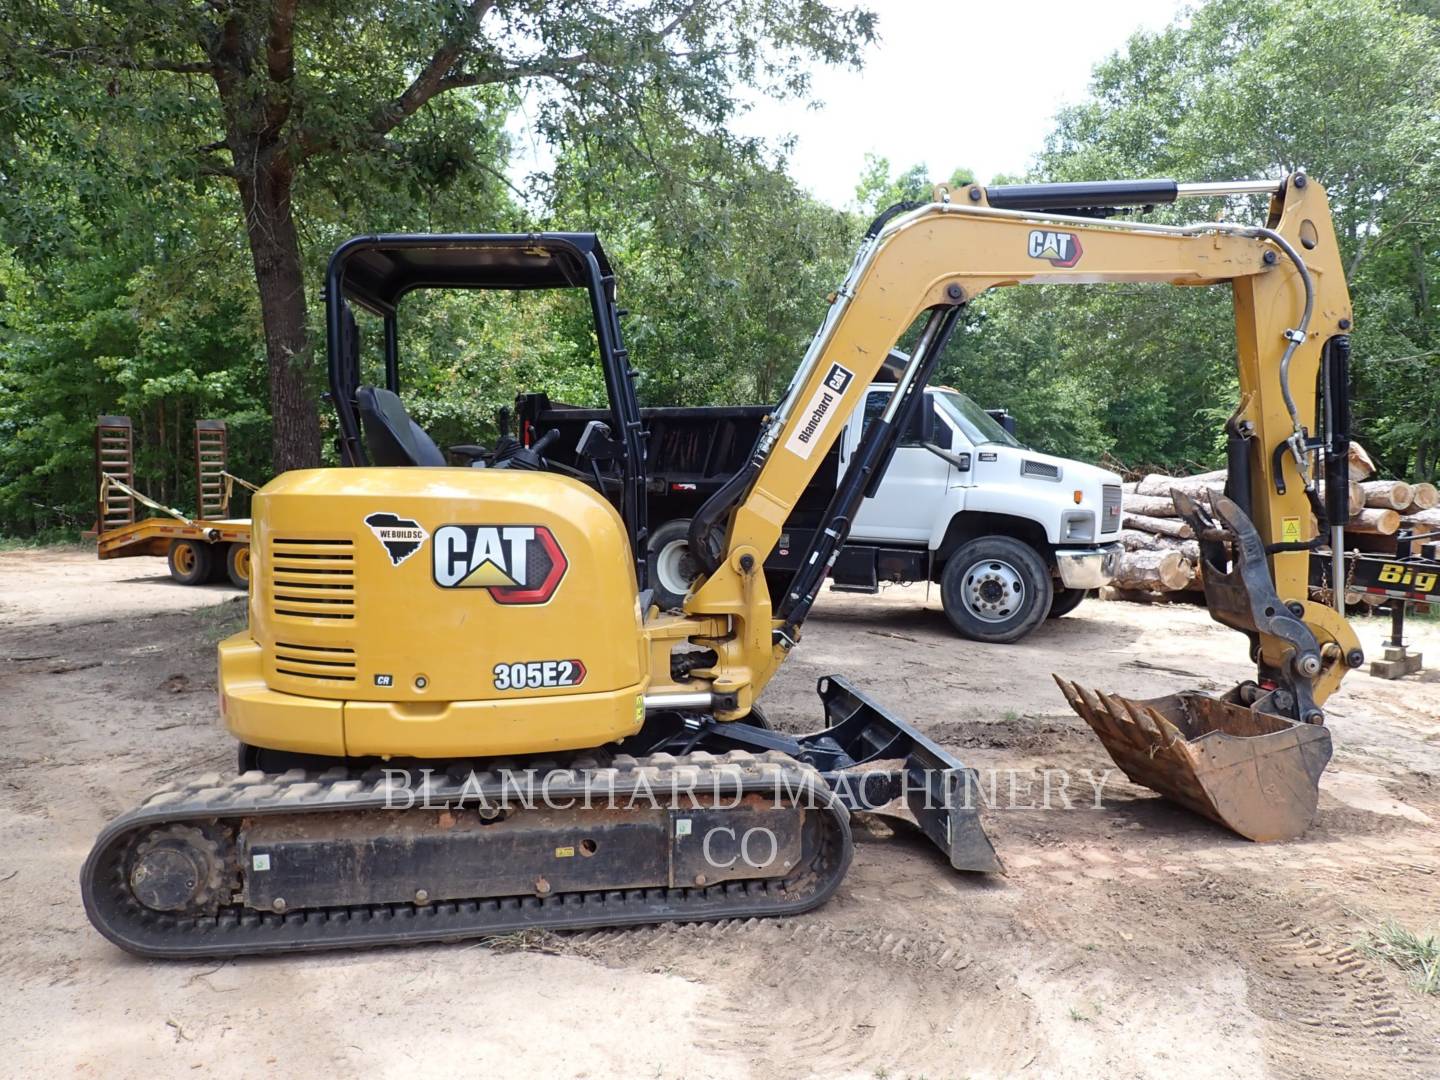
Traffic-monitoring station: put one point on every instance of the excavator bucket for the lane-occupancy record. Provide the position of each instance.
(1253, 772)
(1238, 759)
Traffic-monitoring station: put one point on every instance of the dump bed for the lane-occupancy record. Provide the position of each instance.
(689, 451)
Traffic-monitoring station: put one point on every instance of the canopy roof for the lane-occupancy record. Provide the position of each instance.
(376, 271)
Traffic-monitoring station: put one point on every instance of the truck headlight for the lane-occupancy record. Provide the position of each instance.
(1078, 525)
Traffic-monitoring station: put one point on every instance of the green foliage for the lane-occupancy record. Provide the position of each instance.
(128, 239)
(1347, 89)
(725, 277)
(158, 158)
(877, 189)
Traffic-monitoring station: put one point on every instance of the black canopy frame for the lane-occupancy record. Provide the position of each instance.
(376, 272)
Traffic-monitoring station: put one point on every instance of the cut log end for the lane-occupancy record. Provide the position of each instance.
(1155, 570)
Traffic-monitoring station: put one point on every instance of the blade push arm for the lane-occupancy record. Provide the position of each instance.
(1289, 300)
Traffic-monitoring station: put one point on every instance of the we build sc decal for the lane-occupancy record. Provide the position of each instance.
(817, 413)
(400, 537)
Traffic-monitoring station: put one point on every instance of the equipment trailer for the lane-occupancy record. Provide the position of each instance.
(212, 546)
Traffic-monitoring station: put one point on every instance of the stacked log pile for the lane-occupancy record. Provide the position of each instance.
(1162, 557)
(1161, 554)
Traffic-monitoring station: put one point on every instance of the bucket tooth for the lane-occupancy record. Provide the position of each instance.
(1256, 773)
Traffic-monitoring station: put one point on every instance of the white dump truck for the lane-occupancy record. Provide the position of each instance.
(1011, 535)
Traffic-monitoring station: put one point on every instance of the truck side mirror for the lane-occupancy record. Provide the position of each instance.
(960, 461)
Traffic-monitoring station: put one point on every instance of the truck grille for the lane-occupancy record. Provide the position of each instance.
(1110, 508)
(312, 579)
(1041, 470)
(315, 662)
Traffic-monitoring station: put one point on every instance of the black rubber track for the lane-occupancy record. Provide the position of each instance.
(236, 930)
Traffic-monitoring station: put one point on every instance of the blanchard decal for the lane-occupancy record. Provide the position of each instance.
(815, 417)
(400, 537)
(1056, 248)
(536, 674)
(517, 564)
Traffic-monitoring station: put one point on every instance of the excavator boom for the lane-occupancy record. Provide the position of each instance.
(1292, 317)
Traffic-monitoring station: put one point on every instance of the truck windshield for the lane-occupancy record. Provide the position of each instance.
(977, 425)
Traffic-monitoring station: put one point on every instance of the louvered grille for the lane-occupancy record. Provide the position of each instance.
(312, 579)
(315, 662)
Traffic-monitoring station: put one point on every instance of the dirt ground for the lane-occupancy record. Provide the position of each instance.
(1134, 940)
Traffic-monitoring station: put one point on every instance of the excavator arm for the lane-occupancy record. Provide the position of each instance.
(1292, 316)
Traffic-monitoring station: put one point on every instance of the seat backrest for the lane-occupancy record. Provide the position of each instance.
(391, 437)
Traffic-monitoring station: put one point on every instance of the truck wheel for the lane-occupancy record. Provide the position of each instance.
(671, 567)
(237, 565)
(190, 561)
(996, 589)
(1066, 600)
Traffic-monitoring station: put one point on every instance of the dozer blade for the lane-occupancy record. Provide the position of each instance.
(871, 759)
(939, 790)
(1253, 772)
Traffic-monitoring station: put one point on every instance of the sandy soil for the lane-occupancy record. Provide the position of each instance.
(1130, 941)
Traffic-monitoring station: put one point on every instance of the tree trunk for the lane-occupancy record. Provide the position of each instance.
(275, 250)
(1149, 505)
(1422, 497)
(1158, 484)
(1371, 520)
(1138, 540)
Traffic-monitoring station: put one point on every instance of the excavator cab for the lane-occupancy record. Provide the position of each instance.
(375, 273)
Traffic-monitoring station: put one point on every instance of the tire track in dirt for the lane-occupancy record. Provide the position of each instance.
(838, 998)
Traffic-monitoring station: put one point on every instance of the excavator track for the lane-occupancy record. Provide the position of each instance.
(381, 857)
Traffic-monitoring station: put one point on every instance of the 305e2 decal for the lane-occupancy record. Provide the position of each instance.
(538, 674)
(516, 564)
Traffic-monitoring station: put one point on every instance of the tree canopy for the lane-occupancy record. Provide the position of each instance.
(175, 174)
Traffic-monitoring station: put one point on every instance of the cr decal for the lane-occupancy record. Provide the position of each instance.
(536, 674)
(516, 564)
(1056, 248)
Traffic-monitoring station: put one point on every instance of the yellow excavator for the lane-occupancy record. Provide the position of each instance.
(460, 714)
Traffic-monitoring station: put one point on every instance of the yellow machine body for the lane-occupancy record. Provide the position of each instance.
(435, 613)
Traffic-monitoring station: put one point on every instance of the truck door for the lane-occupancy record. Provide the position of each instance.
(914, 486)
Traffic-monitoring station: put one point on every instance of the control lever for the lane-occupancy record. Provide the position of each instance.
(531, 457)
(472, 454)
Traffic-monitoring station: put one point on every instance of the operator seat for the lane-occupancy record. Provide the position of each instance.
(391, 437)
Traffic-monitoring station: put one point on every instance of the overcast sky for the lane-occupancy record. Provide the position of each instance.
(953, 84)
(949, 84)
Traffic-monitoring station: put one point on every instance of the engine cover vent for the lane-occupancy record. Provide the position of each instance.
(311, 579)
(1040, 470)
(315, 662)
